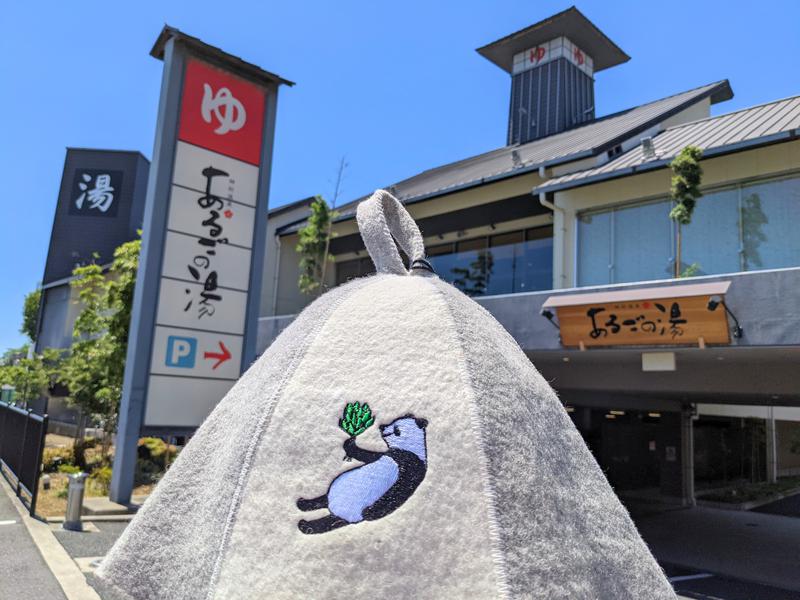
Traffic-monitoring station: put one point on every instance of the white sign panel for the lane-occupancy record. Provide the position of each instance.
(238, 217)
(173, 313)
(191, 400)
(196, 353)
(550, 51)
(240, 182)
(187, 353)
(186, 257)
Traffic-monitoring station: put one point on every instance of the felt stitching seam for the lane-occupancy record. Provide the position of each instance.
(261, 427)
(468, 376)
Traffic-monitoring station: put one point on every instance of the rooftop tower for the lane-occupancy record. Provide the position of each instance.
(552, 65)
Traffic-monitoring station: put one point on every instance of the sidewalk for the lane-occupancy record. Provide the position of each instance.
(745, 545)
(25, 573)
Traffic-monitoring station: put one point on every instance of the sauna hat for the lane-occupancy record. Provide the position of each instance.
(392, 442)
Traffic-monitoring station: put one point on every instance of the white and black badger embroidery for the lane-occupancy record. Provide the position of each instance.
(379, 486)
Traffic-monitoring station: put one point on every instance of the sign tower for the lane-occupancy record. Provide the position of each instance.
(195, 310)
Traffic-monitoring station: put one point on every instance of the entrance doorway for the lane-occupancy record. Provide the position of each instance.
(639, 451)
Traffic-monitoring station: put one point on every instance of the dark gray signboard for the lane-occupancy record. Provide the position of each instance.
(195, 310)
(100, 206)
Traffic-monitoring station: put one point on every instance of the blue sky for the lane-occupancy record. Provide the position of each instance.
(395, 87)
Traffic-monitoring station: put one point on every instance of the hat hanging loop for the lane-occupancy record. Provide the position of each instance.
(382, 219)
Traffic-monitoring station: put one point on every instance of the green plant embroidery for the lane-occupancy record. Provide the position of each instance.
(356, 418)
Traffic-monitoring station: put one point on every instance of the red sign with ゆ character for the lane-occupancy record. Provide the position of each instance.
(221, 112)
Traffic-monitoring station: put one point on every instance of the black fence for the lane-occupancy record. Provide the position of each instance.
(22, 435)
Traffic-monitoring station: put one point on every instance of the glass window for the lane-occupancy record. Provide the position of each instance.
(504, 260)
(536, 263)
(594, 248)
(506, 263)
(770, 217)
(642, 243)
(710, 243)
(472, 267)
(742, 228)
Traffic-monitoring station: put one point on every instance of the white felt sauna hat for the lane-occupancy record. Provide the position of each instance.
(393, 442)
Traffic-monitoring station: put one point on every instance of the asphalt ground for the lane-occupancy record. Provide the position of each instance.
(83, 544)
(787, 507)
(701, 585)
(688, 583)
(25, 575)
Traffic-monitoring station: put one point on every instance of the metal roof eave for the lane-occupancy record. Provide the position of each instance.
(571, 23)
(215, 54)
(294, 227)
(721, 90)
(712, 288)
(775, 138)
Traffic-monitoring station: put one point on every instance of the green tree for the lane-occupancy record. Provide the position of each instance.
(313, 244)
(30, 314)
(31, 377)
(94, 369)
(684, 191)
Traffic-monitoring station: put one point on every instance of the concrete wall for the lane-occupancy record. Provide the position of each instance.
(761, 300)
(274, 250)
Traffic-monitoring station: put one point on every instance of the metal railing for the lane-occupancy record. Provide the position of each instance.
(22, 434)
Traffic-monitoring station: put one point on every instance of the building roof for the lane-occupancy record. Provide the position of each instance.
(284, 208)
(214, 54)
(732, 132)
(570, 23)
(574, 144)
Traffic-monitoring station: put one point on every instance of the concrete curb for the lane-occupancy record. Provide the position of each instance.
(748, 505)
(66, 572)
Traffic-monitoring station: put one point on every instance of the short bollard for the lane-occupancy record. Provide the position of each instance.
(77, 485)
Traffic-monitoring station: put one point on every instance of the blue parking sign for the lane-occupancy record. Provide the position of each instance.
(181, 351)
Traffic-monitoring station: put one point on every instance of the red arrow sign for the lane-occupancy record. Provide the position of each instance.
(221, 357)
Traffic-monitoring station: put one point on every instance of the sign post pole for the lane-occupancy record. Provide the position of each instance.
(195, 309)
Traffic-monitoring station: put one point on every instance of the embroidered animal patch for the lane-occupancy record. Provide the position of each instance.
(382, 483)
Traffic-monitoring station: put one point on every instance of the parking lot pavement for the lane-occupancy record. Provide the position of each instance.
(689, 583)
(737, 544)
(88, 547)
(91, 543)
(788, 507)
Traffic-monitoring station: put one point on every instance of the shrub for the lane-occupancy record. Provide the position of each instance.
(52, 458)
(101, 479)
(69, 469)
(152, 449)
(79, 449)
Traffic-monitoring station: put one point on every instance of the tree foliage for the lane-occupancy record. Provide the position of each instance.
(30, 376)
(94, 369)
(685, 189)
(30, 314)
(313, 244)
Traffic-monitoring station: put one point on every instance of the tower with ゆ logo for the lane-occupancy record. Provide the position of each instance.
(193, 327)
(552, 65)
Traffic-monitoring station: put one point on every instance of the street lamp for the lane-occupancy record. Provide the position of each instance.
(714, 302)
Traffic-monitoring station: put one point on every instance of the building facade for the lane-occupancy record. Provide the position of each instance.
(100, 205)
(564, 236)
